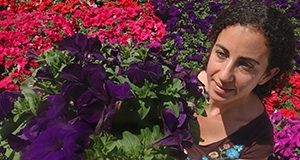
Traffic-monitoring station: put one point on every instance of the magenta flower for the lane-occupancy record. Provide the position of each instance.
(286, 136)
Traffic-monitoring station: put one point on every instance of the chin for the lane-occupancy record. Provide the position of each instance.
(215, 98)
(219, 100)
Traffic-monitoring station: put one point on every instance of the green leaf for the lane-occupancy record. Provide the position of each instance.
(130, 146)
(104, 147)
(30, 102)
(12, 126)
(288, 104)
(130, 143)
(172, 88)
(56, 60)
(143, 110)
(32, 99)
(148, 136)
(146, 91)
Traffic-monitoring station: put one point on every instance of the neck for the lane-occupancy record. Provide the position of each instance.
(246, 105)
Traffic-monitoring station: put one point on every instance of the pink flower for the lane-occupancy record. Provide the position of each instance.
(7, 84)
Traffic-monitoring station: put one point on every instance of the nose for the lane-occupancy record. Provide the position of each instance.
(227, 73)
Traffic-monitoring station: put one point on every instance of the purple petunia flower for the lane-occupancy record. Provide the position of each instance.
(31, 54)
(84, 82)
(73, 72)
(172, 21)
(7, 99)
(149, 70)
(179, 41)
(44, 73)
(82, 47)
(215, 6)
(205, 25)
(119, 91)
(155, 49)
(2, 150)
(59, 141)
(190, 81)
(201, 48)
(194, 57)
(174, 11)
(176, 129)
(53, 109)
(297, 59)
(17, 143)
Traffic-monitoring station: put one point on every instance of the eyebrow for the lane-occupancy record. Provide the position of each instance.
(242, 58)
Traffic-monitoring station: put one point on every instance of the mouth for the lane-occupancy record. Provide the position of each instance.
(221, 89)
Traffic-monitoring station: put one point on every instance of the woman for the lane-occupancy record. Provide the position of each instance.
(252, 47)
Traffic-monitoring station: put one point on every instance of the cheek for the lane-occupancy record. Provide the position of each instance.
(211, 65)
(246, 82)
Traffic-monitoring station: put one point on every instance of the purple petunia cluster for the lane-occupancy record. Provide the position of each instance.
(188, 24)
(87, 101)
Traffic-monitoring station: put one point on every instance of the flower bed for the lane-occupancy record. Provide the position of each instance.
(113, 79)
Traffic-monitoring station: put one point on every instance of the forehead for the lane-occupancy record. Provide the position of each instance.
(243, 40)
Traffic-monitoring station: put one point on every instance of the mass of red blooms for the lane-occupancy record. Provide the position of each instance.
(24, 31)
(287, 100)
(36, 25)
(68, 6)
(121, 22)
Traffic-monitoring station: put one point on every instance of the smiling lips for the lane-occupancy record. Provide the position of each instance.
(221, 90)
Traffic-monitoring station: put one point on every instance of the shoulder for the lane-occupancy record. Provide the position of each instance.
(202, 77)
(260, 143)
(261, 130)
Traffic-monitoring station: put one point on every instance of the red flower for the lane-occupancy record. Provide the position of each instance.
(296, 102)
(271, 102)
(283, 97)
(288, 112)
(295, 78)
(121, 21)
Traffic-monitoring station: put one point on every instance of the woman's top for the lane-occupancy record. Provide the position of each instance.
(252, 141)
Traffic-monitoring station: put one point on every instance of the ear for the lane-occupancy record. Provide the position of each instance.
(268, 75)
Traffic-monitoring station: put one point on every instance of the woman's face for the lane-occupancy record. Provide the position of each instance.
(237, 64)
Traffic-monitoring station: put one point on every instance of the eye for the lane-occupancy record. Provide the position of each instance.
(221, 54)
(246, 66)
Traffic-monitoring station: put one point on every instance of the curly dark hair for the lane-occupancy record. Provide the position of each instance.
(277, 29)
